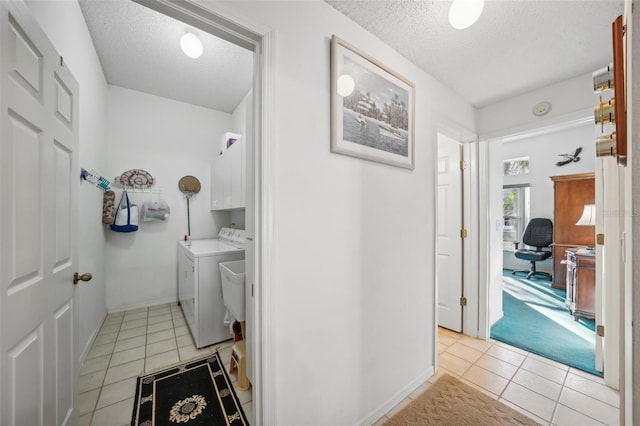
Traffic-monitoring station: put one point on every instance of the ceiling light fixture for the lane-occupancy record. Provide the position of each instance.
(346, 85)
(191, 45)
(464, 13)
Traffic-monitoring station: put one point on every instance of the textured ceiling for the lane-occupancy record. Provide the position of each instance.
(139, 49)
(516, 46)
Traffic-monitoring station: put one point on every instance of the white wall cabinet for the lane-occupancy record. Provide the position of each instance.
(228, 180)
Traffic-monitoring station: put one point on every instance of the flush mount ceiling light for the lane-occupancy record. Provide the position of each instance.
(464, 13)
(345, 85)
(191, 45)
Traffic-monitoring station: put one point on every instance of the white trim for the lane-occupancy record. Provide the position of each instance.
(484, 225)
(471, 275)
(265, 406)
(562, 122)
(630, 304)
(145, 304)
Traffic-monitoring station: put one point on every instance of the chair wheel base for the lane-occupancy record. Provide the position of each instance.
(533, 273)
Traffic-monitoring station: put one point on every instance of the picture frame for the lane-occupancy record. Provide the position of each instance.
(372, 108)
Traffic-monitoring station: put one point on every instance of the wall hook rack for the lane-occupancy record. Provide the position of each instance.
(91, 177)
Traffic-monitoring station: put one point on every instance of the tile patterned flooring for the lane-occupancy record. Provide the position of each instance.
(134, 342)
(131, 343)
(546, 391)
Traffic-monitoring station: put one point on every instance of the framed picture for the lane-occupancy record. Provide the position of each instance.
(372, 108)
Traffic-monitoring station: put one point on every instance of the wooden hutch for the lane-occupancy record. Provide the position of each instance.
(571, 193)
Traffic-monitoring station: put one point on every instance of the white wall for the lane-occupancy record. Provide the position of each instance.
(169, 139)
(543, 152)
(570, 99)
(354, 240)
(64, 24)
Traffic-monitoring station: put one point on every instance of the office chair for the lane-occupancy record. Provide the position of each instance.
(538, 234)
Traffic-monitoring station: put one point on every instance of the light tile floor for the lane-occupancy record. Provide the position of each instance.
(131, 343)
(546, 391)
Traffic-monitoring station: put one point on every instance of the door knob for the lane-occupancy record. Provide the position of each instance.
(84, 277)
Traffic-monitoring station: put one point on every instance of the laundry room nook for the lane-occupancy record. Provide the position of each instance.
(174, 190)
(186, 269)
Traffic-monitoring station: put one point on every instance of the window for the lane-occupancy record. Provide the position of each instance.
(515, 212)
(516, 166)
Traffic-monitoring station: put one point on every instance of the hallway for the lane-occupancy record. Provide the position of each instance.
(549, 392)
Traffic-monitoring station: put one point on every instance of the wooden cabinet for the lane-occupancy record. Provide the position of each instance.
(571, 193)
(581, 283)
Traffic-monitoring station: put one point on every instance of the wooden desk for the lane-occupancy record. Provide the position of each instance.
(581, 283)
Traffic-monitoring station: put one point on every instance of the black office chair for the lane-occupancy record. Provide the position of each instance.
(538, 234)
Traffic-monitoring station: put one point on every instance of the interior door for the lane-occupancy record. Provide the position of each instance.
(39, 178)
(448, 228)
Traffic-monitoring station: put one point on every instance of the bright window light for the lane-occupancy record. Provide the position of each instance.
(191, 45)
(464, 13)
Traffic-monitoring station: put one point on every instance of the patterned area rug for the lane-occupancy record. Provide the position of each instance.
(450, 402)
(197, 392)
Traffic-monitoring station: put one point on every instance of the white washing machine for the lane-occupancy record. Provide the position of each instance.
(200, 285)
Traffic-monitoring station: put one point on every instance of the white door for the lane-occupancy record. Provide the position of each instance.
(39, 177)
(449, 241)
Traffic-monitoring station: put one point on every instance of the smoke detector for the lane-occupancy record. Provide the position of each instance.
(541, 108)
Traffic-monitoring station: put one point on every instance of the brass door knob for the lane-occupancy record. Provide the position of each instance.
(84, 277)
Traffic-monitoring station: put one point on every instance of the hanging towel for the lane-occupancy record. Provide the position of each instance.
(108, 207)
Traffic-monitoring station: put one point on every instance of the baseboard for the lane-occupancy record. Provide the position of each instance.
(89, 344)
(147, 304)
(380, 412)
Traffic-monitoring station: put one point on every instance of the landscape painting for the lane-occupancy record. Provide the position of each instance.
(372, 108)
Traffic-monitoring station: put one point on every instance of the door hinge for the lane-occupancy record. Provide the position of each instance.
(600, 330)
(463, 233)
(463, 164)
(600, 239)
(463, 301)
(251, 290)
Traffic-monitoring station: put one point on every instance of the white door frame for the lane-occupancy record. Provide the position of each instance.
(216, 20)
(577, 119)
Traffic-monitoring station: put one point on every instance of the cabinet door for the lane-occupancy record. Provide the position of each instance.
(217, 182)
(235, 161)
(585, 290)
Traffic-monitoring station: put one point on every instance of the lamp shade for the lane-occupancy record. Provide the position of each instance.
(588, 217)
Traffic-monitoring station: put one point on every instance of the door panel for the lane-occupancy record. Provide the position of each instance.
(448, 226)
(38, 210)
(24, 379)
(64, 355)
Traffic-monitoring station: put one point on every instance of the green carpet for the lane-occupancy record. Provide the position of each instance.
(536, 320)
